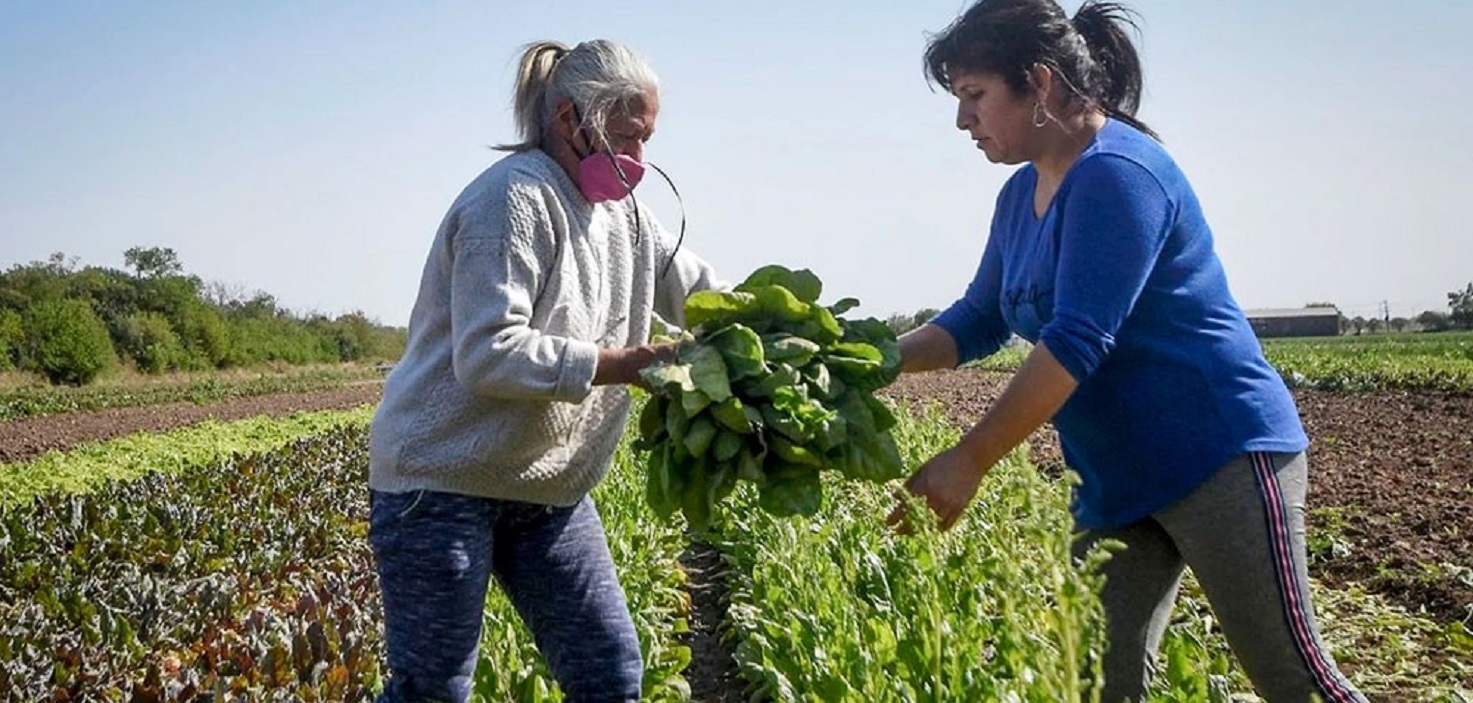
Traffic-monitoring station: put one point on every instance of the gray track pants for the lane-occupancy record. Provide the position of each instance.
(1242, 533)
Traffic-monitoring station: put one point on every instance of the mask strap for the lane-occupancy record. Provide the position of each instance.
(583, 132)
(679, 240)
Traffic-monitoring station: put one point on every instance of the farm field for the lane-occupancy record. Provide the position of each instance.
(23, 396)
(828, 608)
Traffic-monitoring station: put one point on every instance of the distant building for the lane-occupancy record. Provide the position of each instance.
(1295, 322)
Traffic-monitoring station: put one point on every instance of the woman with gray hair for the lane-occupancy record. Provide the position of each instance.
(534, 312)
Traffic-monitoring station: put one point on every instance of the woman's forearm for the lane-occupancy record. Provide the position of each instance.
(927, 348)
(1037, 391)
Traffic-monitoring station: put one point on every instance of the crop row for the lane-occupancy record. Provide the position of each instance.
(35, 401)
(1441, 362)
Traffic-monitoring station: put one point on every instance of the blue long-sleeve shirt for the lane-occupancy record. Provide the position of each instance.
(1119, 279)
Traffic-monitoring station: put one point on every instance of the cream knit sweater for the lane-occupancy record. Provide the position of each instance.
(525, 281)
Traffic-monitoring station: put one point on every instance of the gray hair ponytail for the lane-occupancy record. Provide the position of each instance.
(599, 76)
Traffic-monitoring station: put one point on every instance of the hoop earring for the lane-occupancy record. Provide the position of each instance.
(1040, 116)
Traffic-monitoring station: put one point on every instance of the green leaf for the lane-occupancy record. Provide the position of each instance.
(727, 445)
(695, 499)
(790, 492)
(792, 453)
(782, 376)
(741, 349)
(789, 349)
(857, 413)
(662, 488)
(822, 326)
(708, 373)
(749, 467)
(716, 308)
(780, 304)
(694, 402)
(671, 378)
(732, 415)
(677, 422)
(819, 380)
(884, 418)
(709, 484)
(652, 418)
(871, 458)
(698, 437)
(793, 402)
(844, 305)
(803, 283)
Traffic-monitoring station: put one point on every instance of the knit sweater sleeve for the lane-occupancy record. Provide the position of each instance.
(1115, 222)
(502, 247)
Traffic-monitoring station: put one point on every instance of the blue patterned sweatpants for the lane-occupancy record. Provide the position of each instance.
(435, 554)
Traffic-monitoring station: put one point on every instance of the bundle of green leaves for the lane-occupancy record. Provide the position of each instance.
(772, 388)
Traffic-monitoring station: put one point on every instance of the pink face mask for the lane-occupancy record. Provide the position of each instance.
(606, 176)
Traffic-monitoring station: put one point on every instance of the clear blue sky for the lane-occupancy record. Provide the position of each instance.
(310, 149)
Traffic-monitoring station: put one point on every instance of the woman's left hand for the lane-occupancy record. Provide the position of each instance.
(948, 482)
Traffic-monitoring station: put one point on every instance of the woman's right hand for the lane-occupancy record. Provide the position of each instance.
(623, 365)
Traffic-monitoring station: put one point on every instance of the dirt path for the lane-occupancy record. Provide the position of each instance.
(713, 673)
(27, 438)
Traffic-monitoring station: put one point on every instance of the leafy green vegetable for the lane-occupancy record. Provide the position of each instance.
(772, 388)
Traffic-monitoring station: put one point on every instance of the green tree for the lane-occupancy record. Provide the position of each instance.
(149, 340)
(900, 323)
(67, 342)
(153, 262)
(1433, 321)
(24, 284)
(204, 334)
(1461, 303)
(12, 334)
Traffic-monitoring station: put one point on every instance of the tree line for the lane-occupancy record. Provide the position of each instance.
(1457, 316)
(72, 324)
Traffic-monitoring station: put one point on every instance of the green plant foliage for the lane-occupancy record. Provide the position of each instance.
(150, 341)
(12, 335)
(772, 389)
(245, 579)
(212, 326)
(93, 466)
(67, 342)
(1441, 362)
(840, 608)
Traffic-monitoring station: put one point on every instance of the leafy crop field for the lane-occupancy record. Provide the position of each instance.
(1440, 362)
(242, 571)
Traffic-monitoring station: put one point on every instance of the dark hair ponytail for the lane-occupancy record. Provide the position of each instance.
(1091, 54)
(1115, 64)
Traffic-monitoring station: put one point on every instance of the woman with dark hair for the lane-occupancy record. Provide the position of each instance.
(1188, 443)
